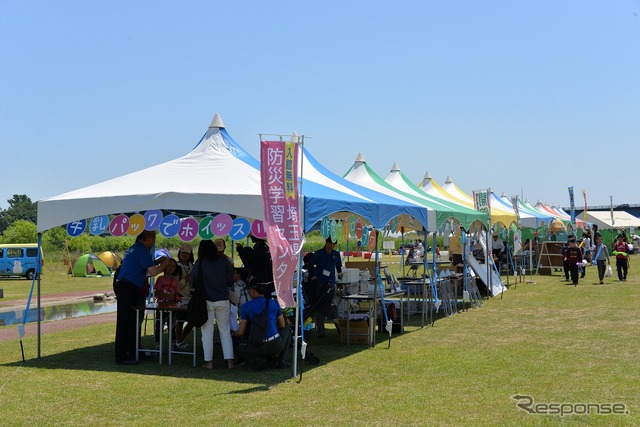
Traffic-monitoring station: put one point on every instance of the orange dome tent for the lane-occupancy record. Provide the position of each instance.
(110, 259)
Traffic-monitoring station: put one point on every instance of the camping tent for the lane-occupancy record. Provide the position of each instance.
(89, 265)
(110, 259)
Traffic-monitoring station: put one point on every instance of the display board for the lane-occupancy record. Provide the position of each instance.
(550, 257)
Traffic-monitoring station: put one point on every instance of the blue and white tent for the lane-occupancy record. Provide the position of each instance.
(529, 217)
(326, 193)
(218, 175)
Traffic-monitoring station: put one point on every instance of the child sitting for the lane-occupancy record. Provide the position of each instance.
(167, 291)
(238, 296)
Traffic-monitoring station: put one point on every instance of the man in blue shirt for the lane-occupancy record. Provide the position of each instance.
(277, 335)
(326, 261)
(129, 288)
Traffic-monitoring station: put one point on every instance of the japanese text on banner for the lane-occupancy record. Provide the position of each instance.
(278, 172)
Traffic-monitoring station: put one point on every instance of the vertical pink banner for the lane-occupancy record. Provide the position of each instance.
(279, 178)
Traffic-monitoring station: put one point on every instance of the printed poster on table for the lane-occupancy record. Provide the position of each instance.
(279, 179)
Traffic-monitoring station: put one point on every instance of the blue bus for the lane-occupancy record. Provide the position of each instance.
(19, 259)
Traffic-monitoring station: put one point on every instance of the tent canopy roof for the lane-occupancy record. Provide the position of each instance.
(219, 181)
(361, 174)
(445, 209)
(603, 219)
(223, 178)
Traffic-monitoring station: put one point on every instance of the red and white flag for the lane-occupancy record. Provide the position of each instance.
(280, 199)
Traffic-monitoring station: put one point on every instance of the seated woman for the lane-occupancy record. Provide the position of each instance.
(275, 346)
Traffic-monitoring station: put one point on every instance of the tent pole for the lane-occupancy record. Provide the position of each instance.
(38, 272)
(402, 246)
(488, 259)
(424, 288)
(531, 263)
(465, 283)
(299, 309)
(433, 254)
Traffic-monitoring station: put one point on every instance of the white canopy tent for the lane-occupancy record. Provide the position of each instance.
(621, 219)
(223, 178)
(210, 162)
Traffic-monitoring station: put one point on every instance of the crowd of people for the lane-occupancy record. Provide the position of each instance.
(234, 296)
(579, 253)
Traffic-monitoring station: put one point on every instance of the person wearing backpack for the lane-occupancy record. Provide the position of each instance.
(276, 336)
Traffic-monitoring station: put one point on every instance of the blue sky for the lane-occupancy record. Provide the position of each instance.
(521, 96)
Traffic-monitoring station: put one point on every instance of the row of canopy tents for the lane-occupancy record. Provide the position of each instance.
(217, 158)
(224, 178)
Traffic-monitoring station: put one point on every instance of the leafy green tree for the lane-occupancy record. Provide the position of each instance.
(80, 244)
(53, 239)
(20, 231)
(20, 207)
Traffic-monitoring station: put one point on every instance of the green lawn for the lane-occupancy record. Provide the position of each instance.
(553, 342)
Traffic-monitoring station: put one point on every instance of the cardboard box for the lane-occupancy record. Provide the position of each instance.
(358, 331)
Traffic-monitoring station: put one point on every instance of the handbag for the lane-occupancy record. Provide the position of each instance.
(258, 328)
(197, 313)
(608, 272)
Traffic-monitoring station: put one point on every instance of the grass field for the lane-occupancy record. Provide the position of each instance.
(552, 342)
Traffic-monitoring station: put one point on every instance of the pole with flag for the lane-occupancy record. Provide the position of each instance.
(572, 205)
(481, 202)
(584, 194)
(613, 221)
(282, 216)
